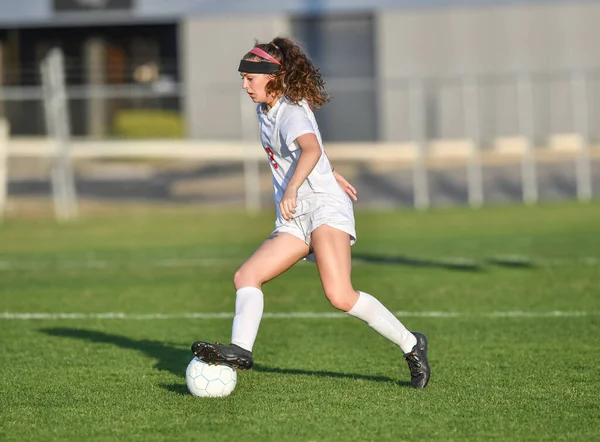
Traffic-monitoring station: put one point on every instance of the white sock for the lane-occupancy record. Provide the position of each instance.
(374, 313)
(249, 304)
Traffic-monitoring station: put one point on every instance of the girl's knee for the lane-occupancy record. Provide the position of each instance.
(244, 278)
(341, 299)
(238, 279)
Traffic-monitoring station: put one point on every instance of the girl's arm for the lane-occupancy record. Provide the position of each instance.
(311, 152)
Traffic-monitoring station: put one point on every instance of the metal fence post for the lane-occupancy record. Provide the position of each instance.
(472, 130)
(419, 137)
(526, 127)
(58, 126)
(581, 123)
(4, 134)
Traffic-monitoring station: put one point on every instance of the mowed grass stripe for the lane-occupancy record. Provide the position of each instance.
(297, 315)
(591, 261)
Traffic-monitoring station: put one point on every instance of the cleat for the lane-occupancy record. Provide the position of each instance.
(417, 362)
(231, 355)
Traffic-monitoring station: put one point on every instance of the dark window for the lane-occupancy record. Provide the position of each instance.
(343, 48)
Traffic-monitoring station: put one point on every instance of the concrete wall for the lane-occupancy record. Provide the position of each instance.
(497, 41)
(210, 52)
(21, 13)
(412, 39)
(340, 46)
(438, 44)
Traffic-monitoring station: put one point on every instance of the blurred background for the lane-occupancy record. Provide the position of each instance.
(435, 102)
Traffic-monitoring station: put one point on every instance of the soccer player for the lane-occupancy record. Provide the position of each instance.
(314, 210)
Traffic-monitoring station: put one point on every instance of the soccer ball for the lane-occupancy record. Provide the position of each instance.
(210, 380)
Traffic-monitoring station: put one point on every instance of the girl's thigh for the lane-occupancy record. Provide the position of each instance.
(277, 254)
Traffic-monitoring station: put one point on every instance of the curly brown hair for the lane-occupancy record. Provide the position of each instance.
(298, 77)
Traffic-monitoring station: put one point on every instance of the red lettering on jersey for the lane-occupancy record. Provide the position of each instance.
(272, 157)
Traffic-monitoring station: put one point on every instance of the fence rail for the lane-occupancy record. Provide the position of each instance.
(435, 154)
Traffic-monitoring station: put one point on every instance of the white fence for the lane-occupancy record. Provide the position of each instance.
(419, 156)
(4, 132)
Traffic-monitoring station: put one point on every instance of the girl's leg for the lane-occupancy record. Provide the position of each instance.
(332, 252)
(277, 254)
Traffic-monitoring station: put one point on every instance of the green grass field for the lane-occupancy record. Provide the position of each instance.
(508, 296)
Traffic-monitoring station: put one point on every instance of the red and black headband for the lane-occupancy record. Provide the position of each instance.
(270, 66)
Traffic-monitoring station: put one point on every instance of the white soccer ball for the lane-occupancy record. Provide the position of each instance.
(210, 380)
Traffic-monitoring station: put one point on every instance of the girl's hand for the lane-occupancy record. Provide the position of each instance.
(344, 184)
(287, 206)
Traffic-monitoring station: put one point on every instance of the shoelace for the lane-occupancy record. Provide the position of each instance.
(414, 363)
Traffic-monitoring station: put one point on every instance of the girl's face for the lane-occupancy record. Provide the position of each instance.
(254, 85)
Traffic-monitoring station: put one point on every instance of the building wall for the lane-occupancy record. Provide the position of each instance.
(398, 41)
(497, 42)
(42, 12)
(441, 45)
(210, 52)
(341, 46)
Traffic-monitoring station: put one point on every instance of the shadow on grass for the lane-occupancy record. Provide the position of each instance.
(174, 359)
(169, 358)
(466, 265)
(515, 263)
(470, 266)
(180, 389)
(330, 374)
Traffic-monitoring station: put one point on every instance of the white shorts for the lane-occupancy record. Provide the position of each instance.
(318, 210)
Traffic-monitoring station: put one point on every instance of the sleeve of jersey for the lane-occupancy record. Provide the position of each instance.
(294, 123)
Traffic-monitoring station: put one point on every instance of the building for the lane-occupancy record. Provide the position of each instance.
(378, 57)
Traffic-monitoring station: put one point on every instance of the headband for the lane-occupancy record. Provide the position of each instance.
(270, 66)
(258, 67)
(265, 55)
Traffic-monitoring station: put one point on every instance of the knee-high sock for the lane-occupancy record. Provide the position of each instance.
(380, 319)
(249, 304)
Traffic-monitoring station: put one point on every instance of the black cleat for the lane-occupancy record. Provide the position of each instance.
(216, 354)
(417, 362)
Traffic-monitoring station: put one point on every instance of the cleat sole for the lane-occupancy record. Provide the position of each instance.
(208, 353)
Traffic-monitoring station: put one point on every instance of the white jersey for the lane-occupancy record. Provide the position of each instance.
(279, 129)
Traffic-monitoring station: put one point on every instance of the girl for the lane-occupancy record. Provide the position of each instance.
(314, 211)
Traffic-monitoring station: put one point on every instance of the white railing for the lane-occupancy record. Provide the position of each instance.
(4, 132)
(407, 155)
